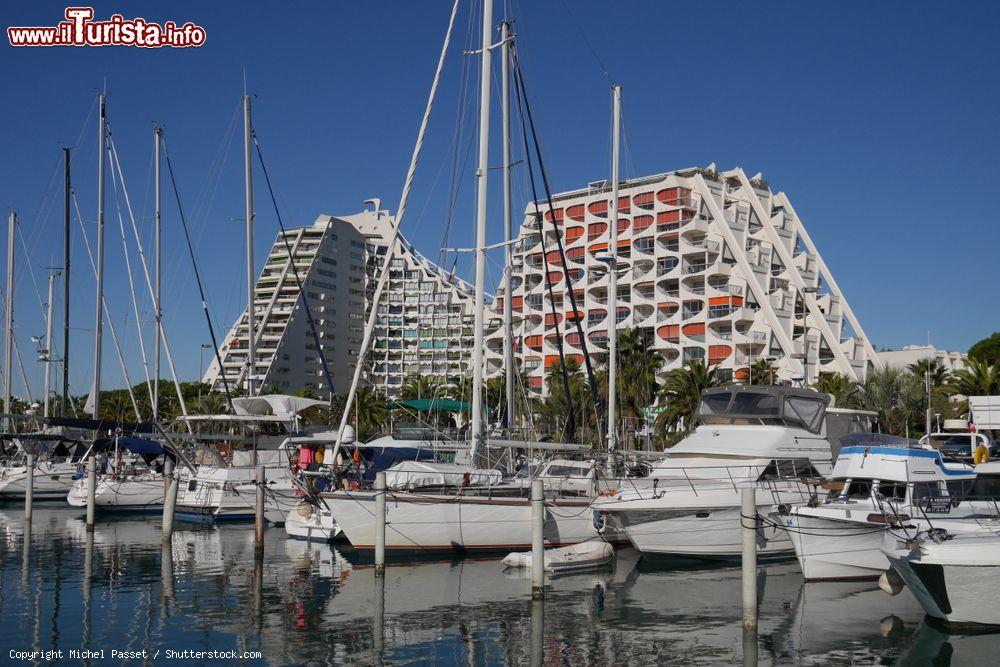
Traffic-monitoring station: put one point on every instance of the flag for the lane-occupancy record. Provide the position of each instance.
(972, 422)
(451, 276)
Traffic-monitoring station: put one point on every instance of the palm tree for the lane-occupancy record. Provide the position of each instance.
(930, 368)
(842, 388)
(978, 378)
(681, 392)
(212, 403)
(898, 397)
(370, 413)
(418, 387)
(637, 383)
(555, 410)
(763, 371)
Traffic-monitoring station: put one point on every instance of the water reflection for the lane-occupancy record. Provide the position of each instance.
(121, 587)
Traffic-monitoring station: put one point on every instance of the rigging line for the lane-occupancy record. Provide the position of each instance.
(570, 428)
(131, 282)
(295, 272)
(562, 252)
(393, 243)
(107, 311)
(593, 51)
(197, 276)
(145, 272)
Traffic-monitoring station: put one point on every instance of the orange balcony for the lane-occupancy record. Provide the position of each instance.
(575, 213)
(643, 200)
(558, 216)
(598, 208)
(573, 233)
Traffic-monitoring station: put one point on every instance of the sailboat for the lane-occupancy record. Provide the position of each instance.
(466, 516)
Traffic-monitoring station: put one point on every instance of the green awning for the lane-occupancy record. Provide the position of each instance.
(432, 405)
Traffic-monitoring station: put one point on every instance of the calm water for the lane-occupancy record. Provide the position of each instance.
(121, 591)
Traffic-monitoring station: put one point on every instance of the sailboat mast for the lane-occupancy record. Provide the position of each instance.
(158, 306)
(64, 407)
(99, 319)
(508, 312)
(9, 321)
(482, 176)
(48, 345)
(613, 278)
(248, 163)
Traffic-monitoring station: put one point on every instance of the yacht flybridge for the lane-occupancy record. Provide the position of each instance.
(767, 437)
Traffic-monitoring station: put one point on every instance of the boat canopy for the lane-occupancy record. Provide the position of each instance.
(432, 405)
(132, 444)
(279, 405)
(782, 406)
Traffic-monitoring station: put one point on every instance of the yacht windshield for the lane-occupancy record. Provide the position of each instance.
(768, 405)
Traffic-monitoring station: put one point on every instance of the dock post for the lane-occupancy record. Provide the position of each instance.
(169, 503)
(259, 518)
(537, 540)
(748, 519)
(29, 490)
(380, 524)
(91, 490)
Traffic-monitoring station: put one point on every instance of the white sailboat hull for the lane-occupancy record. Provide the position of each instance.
(141, 494)
(230, 494)
(318, 523)
(51, 482)
(432, 522)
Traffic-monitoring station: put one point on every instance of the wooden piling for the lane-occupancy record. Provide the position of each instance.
(537, 540)
(259, 517)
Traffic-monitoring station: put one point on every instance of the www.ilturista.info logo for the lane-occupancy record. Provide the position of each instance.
(79, 29)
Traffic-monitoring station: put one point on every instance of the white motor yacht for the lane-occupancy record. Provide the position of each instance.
(57, 464)
(883, 485)
(768, 437)
(133, 480)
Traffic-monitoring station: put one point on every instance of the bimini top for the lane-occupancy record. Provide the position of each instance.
(279, 405)
(896, 463)
(764, 405)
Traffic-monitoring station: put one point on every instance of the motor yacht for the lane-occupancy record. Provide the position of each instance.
(765, 437)
(131, 480)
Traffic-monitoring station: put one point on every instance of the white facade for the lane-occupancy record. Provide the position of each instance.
(425, 317)
(911, 354)
(712, 265)
(330, 259)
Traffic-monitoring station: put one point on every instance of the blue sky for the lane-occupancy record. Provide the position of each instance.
(878, 119)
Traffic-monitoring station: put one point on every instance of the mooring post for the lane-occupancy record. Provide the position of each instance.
(91, 490)
(380, 524)
(378, 621)
(29, 490)
(748, 519)
(537, 540)
(537, 633)
(169, 501)
(259, 518)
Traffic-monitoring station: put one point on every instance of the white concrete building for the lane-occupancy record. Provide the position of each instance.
(712, 265)
(330, 259)
(911, 354)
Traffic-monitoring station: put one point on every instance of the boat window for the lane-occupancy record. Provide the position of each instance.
(892, 490)
(926, 490)
(788, 469)
(985, 487)
(858, 488)
(714, 404)
(566, 471)
(753, 404)
(809, 411)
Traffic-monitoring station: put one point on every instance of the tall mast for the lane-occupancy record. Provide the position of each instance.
(9, 319)
(48, 344)
(613, 278)
(508, 313)
(158, 306)
(99, 320)
(64, 407)
(482, 176)
(248, 162)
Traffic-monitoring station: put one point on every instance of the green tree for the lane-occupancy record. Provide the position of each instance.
(978, 378)
(988, 350)
(369, 414)
(637, 383)
(681, 393)
(897, 396)
(417, 387)
(843, 389)
(555, 409)
(929, 368)
(761, 372)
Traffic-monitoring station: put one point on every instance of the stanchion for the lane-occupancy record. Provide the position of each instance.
(380, 524)
(748, 520)
(169, 505)
(537, 540)
(259, 517)
(29, 490)
(91, 490)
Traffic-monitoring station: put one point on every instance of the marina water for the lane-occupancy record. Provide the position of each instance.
(315, 604)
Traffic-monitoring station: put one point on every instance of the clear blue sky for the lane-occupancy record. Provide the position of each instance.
(878, 119)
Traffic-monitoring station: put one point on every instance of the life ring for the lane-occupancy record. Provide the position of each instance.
(982, 455)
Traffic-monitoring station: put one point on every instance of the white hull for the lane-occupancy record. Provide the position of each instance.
(318, 524)
(431, 522)
(136, 494)
(955, 581)
(230, 494)
(51, 482)
(836, 550)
